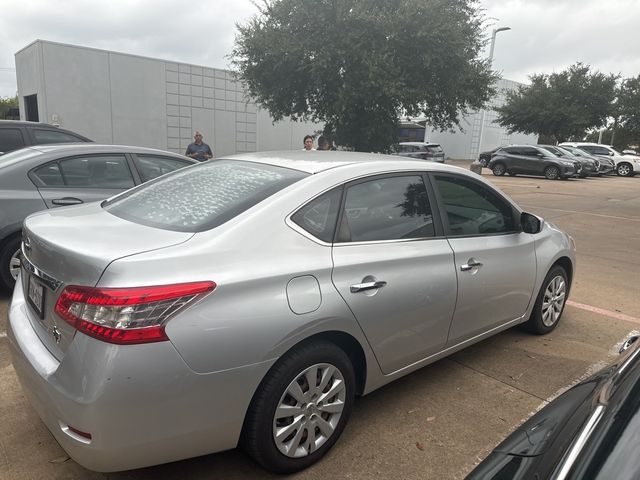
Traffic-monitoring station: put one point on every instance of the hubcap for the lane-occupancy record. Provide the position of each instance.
(552, 173)
(14, 265)
(553, 301)
(623, 170)
(309, 410)
(499, 169)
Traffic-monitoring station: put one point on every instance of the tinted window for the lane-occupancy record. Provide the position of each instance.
(203, 197)
(511, 150)
(601, 151)
(151, 166)
(319, 216)
(49, 175)
(387, 209)
(100, 171)
(10, 139)
(53, 136)
(474, 209)
(529, 152)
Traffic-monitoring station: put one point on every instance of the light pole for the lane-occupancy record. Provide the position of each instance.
(484, 111)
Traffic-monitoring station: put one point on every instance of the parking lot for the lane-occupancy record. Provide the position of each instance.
(440, 421)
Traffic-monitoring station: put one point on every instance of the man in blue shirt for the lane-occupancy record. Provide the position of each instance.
(198, 149)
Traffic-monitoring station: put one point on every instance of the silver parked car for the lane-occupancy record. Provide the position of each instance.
(49, 176)
(249, 300)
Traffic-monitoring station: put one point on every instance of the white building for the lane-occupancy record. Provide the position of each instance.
(119, 98)
(464, 144)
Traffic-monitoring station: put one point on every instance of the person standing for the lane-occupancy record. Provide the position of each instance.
(323, 143)
(308, 143)
(199, 150)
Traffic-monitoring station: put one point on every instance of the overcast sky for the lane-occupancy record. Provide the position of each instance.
(545, 35)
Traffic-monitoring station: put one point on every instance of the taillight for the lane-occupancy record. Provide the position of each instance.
(126, 315)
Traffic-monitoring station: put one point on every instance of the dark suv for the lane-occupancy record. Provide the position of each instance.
(532, 160)
(15, 135)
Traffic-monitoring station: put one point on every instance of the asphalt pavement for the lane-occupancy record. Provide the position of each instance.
(439, 422)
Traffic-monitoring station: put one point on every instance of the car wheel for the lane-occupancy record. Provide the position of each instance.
(624, 169)
(552, 173)
(498, 169)
(550, 302)
(300, 408)
(9, 261)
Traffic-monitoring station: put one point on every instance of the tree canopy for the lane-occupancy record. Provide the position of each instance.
(629, 106)
(563, 105)
(357, 65)
(8, 107)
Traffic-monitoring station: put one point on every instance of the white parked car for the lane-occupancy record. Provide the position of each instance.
(626, 165)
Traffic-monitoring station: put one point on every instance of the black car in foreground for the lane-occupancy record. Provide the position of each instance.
(532, 160)
(592, 431)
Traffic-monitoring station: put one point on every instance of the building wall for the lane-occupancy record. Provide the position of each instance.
(465, 142)
(119, 98)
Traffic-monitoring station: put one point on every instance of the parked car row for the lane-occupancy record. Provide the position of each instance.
(559, 161)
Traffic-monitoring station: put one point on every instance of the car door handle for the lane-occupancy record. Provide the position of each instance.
(471, 263)
(361, 287)
(66, 201)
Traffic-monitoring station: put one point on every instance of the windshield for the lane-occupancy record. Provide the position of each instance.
(202, 197)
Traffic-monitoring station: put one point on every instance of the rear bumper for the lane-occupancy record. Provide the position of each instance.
(141, 403)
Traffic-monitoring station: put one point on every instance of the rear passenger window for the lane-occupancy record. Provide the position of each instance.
(390, 208)
(319, 216)
(49, 175)
(10, 139)
(100, 171)
(474, 209)
(51, 136)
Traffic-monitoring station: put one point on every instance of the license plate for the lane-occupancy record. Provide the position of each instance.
(35, 294)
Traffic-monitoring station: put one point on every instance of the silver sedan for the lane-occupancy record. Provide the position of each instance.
(249, 300)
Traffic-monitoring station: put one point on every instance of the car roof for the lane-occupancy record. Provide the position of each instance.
(419, 144)
(83, 147)
(318, 161)
(36, 154)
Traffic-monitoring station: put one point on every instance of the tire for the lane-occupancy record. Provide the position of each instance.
(291, 374)
(498, 169)
(624, 169)
(549, 303)
(552, 173)
(9, 265)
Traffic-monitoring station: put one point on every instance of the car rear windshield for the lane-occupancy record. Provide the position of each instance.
(202, 197)
(432, 149)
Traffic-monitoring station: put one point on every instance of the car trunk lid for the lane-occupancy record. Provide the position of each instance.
(73, 246)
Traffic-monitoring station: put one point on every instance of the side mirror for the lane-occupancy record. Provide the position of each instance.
(530, 223)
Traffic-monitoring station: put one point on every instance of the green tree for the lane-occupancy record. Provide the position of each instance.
(629, 105)
(562, 105)
(7, 106)
(357, 65)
